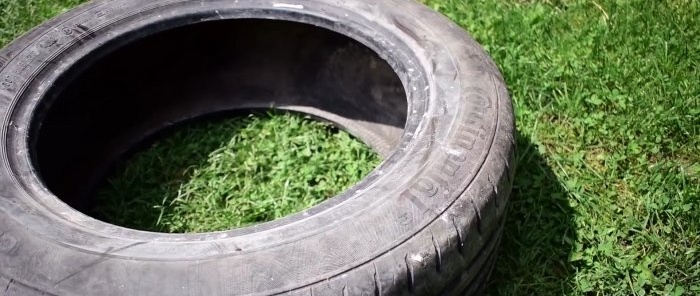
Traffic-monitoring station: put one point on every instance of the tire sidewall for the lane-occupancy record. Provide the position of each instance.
(457, 107)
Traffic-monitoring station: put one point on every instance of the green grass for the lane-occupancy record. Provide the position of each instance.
(18, 16)
(223, 174)
(606, 199)
(607, 195)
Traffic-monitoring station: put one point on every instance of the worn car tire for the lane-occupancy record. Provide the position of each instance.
(427, 221)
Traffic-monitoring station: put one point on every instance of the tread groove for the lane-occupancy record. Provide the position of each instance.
(409, 275)
(7, 288)
(460, 242)
(493, 240)
(478, 217)
(507, 168)
(494, 188)
(438, 254)
(511, 138)
(377, 284)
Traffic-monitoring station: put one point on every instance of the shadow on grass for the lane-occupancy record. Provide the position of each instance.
(539, 232)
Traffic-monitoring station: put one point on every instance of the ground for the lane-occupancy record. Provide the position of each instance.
(607, 194)
(217, 175)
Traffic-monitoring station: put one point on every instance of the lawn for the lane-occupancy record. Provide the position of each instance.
(607, 194)
(220, 174)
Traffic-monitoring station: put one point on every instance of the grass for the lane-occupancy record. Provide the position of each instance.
(607, 195)
(218, 175)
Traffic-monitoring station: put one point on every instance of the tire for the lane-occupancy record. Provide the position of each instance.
(407, 81)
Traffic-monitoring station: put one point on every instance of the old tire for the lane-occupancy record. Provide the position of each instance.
(427, 221)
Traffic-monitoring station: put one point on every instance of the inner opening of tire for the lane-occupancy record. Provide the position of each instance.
(97, 115)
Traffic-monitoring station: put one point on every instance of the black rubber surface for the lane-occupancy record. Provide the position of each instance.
(80, 91)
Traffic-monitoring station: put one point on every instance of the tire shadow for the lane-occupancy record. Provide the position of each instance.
(539, 231)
